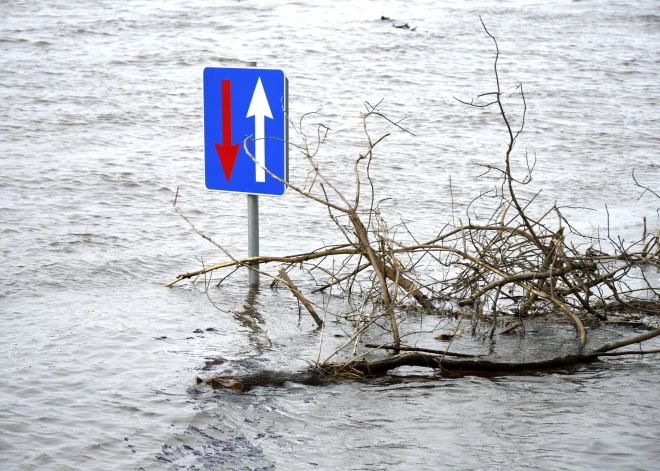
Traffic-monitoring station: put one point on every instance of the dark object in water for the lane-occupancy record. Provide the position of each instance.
(213, 362)
(267, 378)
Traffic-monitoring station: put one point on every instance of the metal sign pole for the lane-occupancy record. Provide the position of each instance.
(253, 235)
(253, 228)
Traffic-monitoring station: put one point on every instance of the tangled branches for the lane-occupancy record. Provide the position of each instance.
(511, 263)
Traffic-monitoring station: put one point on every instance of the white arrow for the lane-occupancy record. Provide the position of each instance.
(259, 109)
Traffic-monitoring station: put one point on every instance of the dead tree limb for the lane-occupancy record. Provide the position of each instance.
(379, 367)
(291, 259)
(296, 292)
(622, 343)
(512, 279)
(419, 349)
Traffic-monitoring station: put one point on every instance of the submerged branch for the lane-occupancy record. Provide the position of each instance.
(418, 349)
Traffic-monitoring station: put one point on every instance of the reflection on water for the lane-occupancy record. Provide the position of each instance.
(101, 122)
(250, 318)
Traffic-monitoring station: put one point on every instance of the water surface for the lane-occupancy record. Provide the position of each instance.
(102, 121)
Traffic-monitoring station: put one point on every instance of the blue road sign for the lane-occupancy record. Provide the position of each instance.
(239, 103)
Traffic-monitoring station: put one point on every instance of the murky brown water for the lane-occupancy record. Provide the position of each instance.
(101, 120)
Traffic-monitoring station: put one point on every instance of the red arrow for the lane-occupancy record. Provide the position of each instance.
(226, 152)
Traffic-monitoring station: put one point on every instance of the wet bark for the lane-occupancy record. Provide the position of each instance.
(326, 374)
(268, 378)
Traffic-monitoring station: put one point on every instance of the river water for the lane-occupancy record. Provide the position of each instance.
(101, 121)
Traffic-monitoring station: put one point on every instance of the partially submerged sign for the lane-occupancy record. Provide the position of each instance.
(239, 103)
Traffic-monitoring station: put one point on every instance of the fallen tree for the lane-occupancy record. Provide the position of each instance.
(513, 262)
(327, 374)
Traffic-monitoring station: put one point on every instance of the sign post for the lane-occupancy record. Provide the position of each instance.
(253, 225)
(250, 104)
(253, 236)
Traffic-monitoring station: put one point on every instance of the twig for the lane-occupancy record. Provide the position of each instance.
(426, 350)
(511, 329)
(631, 352)
(296, 292)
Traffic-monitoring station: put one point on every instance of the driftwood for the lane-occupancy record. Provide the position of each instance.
(379, 367)
(332, 373)
(328, 373)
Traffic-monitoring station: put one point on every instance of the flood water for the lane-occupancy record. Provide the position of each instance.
(101, 121)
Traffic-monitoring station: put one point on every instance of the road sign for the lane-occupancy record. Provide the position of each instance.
(239, 103)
